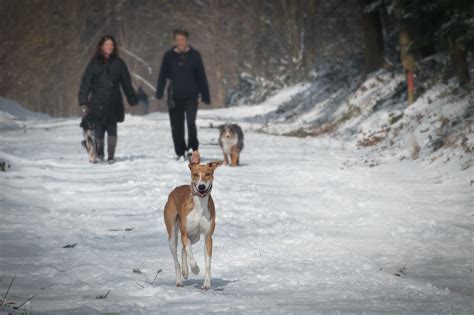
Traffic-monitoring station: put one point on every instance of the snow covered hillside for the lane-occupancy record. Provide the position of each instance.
(373, 114)
(302, 225)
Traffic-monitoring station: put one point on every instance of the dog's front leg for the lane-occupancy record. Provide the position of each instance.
(184, 264)
(226, 159)
(189, 254)
(208, 255)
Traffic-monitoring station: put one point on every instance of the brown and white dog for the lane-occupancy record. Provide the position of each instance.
(190, 209)
(231, 141)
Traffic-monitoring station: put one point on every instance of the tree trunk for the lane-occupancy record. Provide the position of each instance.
(310, 35)
(373, 39)
(408, 62)
(458, 56)
(216, 35)
(407, 55)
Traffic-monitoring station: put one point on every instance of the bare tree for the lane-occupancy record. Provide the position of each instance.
(373, 38)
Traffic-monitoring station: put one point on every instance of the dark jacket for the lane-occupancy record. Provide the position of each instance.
(100, 88)
(186, 73)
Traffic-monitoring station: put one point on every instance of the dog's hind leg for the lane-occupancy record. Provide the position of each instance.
(184, 264)
(173, 242)
(235, 158)
(189, 253)
(91, 150)
(172, 225)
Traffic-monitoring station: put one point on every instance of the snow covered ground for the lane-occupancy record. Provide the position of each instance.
(302, 225)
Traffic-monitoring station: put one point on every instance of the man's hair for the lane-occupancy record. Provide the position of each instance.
(180, 31)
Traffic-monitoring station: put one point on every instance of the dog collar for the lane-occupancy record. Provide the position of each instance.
(200, 194)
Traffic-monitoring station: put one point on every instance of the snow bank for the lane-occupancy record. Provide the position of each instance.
(7, 122)
(18, 112)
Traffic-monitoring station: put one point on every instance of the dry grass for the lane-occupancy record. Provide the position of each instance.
(444, 121)
(415, 149)
(374, 138)
(328, 127)
(370, 141)
(302, 132)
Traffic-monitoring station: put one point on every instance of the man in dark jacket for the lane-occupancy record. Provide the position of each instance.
(100, 95)
(182, 65)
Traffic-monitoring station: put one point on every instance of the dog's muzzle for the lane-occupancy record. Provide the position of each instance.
(202, 193)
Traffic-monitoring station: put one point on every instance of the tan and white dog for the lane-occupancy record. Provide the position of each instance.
(190, 209)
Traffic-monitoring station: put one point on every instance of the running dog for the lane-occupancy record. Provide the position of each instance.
(190, 209)
(89, 142)
(231, 141)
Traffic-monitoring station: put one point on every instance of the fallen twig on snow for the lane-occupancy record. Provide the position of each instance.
(8, 290)
(102, 296)
(4, 165)
(137, 270)
(125, 229)
(11, 307)
(400, 272)
(70, 245)
(156, 276)
(27, 300)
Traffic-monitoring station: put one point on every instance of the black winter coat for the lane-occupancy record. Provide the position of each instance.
(186, 73)
(100, 88)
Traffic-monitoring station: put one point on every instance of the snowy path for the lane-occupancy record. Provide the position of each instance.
(301, 227)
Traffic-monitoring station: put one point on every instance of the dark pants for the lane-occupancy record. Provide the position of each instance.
(111, 128)
(102, 127)
(186, 108)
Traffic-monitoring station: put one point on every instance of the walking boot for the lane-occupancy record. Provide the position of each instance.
(100, 148)
(111, 145)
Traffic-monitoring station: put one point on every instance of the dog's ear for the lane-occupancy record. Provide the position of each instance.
(192, 165)
(215, 164)
(196, 157)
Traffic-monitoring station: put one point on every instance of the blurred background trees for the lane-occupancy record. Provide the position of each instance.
(424, 28)
(251, 48)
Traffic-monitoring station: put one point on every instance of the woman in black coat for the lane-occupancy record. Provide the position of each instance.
(100, 95)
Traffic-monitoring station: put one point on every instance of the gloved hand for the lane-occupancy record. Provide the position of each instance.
(85, 111)
(142, 96)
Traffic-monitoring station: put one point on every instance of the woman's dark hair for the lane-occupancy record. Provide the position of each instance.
(180, 31)
(101, 42)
